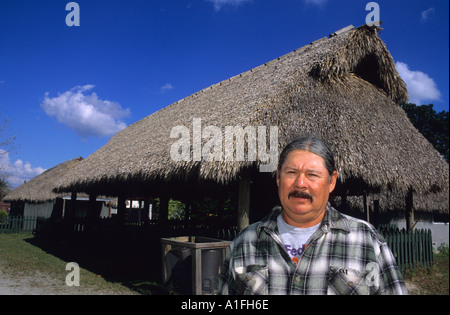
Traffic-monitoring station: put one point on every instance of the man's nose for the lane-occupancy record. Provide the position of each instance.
(300, 181)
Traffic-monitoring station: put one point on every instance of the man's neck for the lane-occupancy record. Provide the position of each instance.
(302, 221)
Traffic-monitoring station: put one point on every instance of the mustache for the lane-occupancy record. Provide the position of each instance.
(300, 194)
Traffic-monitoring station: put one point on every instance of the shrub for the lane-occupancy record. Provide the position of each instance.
(3, 214)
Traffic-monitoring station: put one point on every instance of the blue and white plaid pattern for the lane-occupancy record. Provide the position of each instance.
(344, 256)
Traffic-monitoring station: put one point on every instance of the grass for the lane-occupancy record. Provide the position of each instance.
(20, 255)
(19, 258)
(431, 280)
(23, 254)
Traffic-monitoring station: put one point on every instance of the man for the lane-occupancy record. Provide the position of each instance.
(306, 246)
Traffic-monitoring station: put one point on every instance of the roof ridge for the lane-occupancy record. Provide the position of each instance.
(337, 33)
(342, 31)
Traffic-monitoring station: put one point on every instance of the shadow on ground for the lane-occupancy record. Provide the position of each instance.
(135, 262)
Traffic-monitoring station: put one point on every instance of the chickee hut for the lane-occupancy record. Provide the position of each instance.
(35, 200)
(344, 88)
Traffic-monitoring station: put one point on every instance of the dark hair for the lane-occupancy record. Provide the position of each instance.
(312, 144)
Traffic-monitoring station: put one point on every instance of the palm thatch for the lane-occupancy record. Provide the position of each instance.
(344, 88)
(389, 201)
(40, 188)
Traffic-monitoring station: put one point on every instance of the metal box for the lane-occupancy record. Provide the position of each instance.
(192, 264)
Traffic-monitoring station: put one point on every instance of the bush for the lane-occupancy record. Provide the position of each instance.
(3, 214)
(443, 249)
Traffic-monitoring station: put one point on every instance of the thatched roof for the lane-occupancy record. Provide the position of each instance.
(344, 88)
(40, 188)
(388, 201)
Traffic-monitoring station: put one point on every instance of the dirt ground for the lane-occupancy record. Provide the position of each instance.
(37, 283)
(412, 288)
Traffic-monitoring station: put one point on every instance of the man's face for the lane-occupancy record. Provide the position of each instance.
(304, 186)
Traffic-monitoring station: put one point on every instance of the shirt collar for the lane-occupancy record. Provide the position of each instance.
(332, 220)
(335, 220)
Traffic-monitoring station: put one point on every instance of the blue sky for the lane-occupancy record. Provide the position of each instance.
(64, 91)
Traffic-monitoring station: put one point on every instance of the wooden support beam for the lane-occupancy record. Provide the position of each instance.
(93, 212)
(121, 208)
(344, 202)
(376, 211)
(72, 208)
(366, 207)
(197, 271)
(163, 208)
(244, 202)
(187, 210)
(409, 214)
(92, 206)
(220, 210)
(146, 212)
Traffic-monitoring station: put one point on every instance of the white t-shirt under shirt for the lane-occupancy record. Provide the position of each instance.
(295, 239)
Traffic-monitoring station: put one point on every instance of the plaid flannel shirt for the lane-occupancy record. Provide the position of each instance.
(344, 256)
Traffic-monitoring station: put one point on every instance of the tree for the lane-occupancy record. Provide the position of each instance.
(432, 125)
(176, 209)
(4, 187)
(5, 144)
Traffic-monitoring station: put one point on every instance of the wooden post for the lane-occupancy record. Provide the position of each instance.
(197, 271)
(220, 210)
(146, 210)
(163, 208)
(92, 203)
(409, 214)
(366, 206)
(344, 202)
(376, 211)
(244, 203)
(121, 208)
(189, 202)
(92, 214)
(73, 206)
(64, 210)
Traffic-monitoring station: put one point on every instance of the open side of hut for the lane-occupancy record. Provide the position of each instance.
(344, 88)
(36, 198)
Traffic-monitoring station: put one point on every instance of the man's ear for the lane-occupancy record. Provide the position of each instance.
(277, 175)
(333, 180)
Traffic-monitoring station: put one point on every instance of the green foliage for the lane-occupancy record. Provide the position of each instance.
(433, 126)
(443, 250)
(207, 207)
(3, 214)
(176, 209)
(204, 208)
(4, 187)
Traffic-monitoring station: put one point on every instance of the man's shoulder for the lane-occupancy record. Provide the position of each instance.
(253, 231)
(359, 225)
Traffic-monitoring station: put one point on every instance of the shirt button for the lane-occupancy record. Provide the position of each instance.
(297, 279)
(350, 283)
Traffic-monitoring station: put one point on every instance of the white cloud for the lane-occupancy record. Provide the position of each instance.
(85, 113)
(218, 4)
(426, 15)
(166, 87)
(420, 86)
(18, 171)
